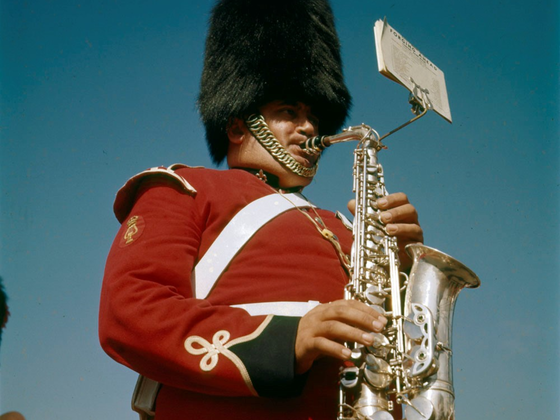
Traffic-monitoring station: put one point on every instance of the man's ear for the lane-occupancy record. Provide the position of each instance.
(236, 130)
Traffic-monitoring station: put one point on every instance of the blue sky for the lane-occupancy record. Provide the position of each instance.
(93, 92)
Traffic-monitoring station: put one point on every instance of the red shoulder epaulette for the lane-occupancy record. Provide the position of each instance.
(126, 195)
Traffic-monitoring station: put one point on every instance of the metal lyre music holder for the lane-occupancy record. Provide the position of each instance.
(419, 99)
(420, 102)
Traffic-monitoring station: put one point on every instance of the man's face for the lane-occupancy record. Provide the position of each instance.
(292, 124)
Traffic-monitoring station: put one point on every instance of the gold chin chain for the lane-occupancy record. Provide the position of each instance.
(326, 233)
(259, 128)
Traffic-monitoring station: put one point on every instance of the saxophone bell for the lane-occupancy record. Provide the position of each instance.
(435, 282)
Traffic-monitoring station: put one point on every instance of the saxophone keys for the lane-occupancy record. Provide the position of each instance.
(349, 377)
(380, 346)
(377, 372)
(419, 408)
(375, 297)
(412, 330)
(420, 361)
(382, 415)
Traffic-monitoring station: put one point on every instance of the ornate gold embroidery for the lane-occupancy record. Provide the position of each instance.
(219, 346)
(132, 229)
(210, 351)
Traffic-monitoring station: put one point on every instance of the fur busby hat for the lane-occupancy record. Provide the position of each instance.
(259, 51)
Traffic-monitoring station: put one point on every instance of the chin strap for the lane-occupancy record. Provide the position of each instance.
(259, 128)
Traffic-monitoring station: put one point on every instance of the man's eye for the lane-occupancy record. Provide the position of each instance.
(290, 111)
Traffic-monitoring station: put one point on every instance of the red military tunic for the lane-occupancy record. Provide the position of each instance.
(215, 361)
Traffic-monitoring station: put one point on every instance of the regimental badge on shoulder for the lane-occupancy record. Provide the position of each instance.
(135, 227)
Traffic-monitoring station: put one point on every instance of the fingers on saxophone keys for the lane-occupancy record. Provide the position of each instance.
(392, 200)
(406, 214)
(323, 346)
(392, 229)
(406, 232)
(386, 216)
(329, 336)
(357, 314)
(378, 325)
(378, 321)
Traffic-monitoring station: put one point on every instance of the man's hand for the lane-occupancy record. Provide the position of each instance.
(401, 220)
(322, 331)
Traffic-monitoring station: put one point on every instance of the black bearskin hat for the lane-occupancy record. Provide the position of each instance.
(260, 51)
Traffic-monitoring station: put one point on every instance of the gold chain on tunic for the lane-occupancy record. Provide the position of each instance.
(325, 233)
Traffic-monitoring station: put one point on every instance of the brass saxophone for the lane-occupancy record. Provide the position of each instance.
(410, 363)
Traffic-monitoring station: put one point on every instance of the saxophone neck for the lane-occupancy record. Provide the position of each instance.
(362, 133)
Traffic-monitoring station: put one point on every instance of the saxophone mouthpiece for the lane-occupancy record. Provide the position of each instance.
(315, 145)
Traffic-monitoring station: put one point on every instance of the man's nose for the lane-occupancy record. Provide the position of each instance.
(306, 127)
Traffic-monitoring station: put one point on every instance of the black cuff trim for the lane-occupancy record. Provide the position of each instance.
(270, 359)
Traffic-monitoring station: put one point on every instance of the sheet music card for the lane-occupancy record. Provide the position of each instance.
(400, 61)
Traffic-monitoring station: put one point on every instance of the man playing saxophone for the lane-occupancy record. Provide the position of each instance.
(252, 328)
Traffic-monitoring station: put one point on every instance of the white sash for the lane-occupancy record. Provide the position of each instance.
(236, 234)
(278, 308)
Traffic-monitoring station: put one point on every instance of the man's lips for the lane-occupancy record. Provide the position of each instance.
(301, 156)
